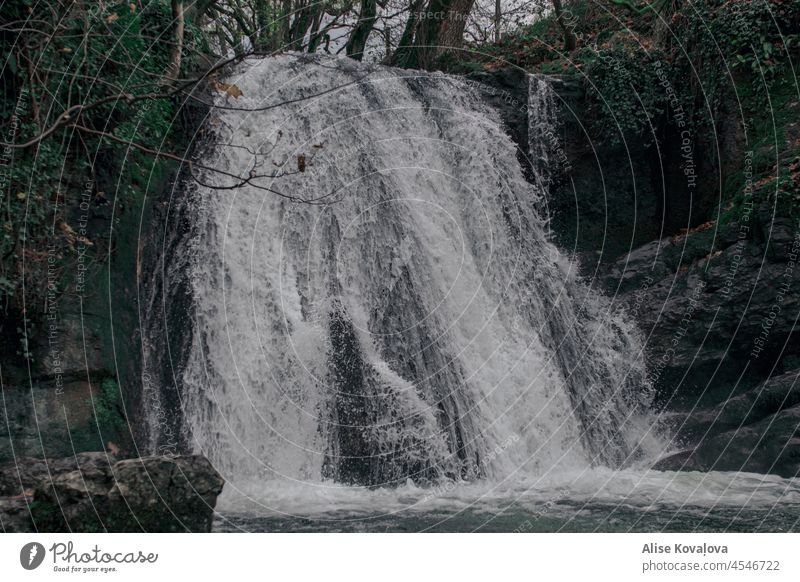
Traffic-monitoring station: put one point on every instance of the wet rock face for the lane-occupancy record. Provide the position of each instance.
(760, 402)
(507, 91)
(756, 431)
(719, 312)
(771, 445)
(93, 492)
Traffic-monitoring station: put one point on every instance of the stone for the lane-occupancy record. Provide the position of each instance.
(93, 492)
(763, 400)
(771, 445)
(680, 461)
(707, 313)
(15, 516)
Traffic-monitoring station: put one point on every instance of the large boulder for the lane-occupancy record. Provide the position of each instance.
(93, 492)
(756, 431)
(15, 515)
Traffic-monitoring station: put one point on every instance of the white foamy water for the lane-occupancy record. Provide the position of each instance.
(639, 489)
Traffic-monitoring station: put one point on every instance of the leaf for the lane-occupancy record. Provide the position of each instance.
(231, 90)
(68, 232)
(21, 195)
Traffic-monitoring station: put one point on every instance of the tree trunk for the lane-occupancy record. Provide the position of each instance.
(303, 20)
(359, 35)
(405, 46)
(286, 20)
(197, 11)
(498, 13)
(570, 42)
(441, 32)
(450, 35)
(263, 25)
(174, 68)
(314, 36)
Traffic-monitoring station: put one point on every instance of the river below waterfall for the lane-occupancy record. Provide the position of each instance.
(595, 500)
(383, 338)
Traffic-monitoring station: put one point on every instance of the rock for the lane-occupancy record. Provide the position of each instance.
(639, 269)
(15, 516)
(507, 91)
(709, 314)
(186, 488)
(57, 419)
(718, 310)
(25, 473)
(758, 432)
(93, 492)
(680, 461)
(771, 445)
(765, 399)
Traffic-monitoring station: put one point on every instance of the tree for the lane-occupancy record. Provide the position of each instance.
(441, 31)
(177, 48)
(360, 33)
(570, 41)
(498, 14)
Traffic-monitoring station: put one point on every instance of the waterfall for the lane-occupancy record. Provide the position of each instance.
(410, 319)
(542, 127)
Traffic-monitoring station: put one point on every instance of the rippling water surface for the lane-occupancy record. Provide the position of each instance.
(594, 500)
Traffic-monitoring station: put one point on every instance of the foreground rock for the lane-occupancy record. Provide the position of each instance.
(93, 492)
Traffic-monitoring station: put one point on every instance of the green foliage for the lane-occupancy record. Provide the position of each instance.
(83, 52)
(625, 88)
(705, 66)
(107, 408)
(740, 35)
(708, 42)
(771, 175)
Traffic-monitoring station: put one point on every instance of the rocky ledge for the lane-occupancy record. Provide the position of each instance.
(757, 431)
(94, 492)
(719, 313)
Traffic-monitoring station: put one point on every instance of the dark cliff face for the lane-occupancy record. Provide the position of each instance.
(722, 341)
(507, 91)
(80, 387)
(77, 387)
(619, 192)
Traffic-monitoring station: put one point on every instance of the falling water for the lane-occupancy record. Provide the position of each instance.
(387, 307)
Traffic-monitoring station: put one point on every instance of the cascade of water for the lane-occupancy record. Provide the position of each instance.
(542, 125)
(414, 322)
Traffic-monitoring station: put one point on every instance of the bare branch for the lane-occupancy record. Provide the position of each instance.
(239, 181)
